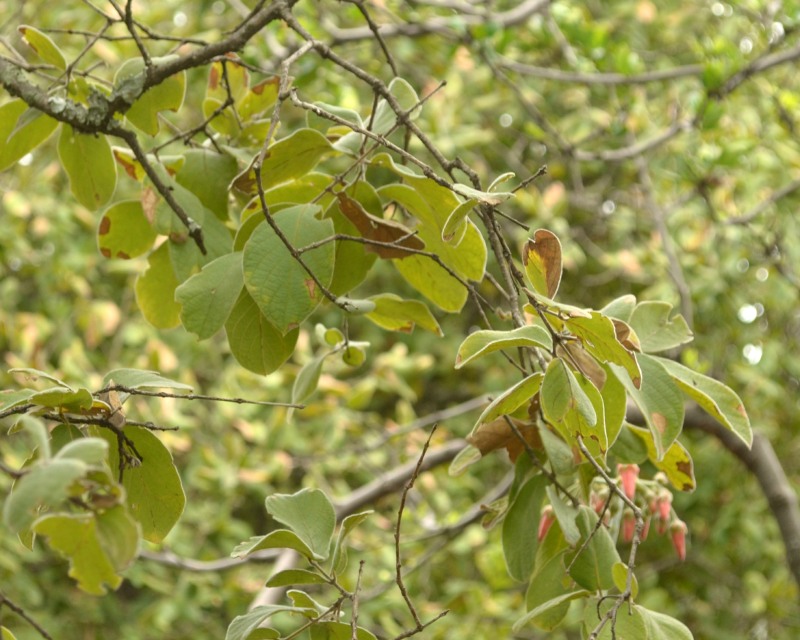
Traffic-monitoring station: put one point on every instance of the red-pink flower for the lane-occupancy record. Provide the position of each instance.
(628, 525)
(661, 509)
(628, 474)
(546, 521)
(678, 531)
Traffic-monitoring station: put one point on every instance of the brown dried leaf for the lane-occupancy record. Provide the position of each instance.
(379, 230)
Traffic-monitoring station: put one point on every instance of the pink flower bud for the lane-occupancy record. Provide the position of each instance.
(628, 525)
(646, 529)
(546, 521)
(628, 474)
(678, 531)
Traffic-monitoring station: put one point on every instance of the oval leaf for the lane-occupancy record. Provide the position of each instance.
(480, 343)
(88, 161)
(541, 257)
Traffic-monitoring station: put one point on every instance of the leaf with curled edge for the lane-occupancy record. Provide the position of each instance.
(379, 230)
(541, 256)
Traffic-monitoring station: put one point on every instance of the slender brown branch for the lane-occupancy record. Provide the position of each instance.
(6, 602)
(419, 626)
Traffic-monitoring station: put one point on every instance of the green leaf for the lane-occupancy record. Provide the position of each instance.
(90, 166)
(656, 330)
(395, 314)
(600, 339)
(662, 627)
(10, 399)
(155, 290)
(331, 630)
(207, 175)
(339, 556)
(36, 374)
(593, 563)
(118, 534)
(676, 462)
(565, 514)
(573, 406)
(21, 131)
(73, 400)
(620, 308)
(166, 96)
(456, 224)
(614, 404)
(620, 574)
(208, 297)
(91, 451)
(243, 626)
(520, 526)
(76, 538)
(718, 400)
(142, 379)
(469, 455)
(44, 47)
(547, 607)
(541, 257)
(306, 381)
(46, 485)
(559, 453)
(283, 290)
(259, 98)
(278, 539)
(492, 198)
(124, 231)
(309, 513)
(155, 493)
(287, 159)
(255, 342)
(480, 343)
(659, 400)
(291, 577)
(628, 623)
(511, 399)
(5, 634)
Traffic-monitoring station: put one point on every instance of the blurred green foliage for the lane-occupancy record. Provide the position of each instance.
(686, 212)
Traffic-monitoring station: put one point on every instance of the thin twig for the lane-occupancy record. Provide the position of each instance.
(4, 601)
(419, 626)
(194, 396)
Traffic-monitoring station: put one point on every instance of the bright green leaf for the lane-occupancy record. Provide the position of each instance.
(208, 297)
(21, 131)
(88, 161)
(620, 574)
(480, 343)
(255, 342)
(662, 627)
(309, 513)
(519, 528)
(155, 493)
(283, 290)
(243, 626)
(166, 96)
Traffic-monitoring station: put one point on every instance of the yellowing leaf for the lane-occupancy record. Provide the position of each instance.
(124, 231)
(481, 343)
(541, 257)
(395, 314)
(76, 538)
(155, 291)
(44, 47)
(676, 463)
(21, 131)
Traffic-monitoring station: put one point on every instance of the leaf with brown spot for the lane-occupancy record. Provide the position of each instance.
(676, 463)
(497, 434)
(124, 231)
(379, 230)
(541, 257)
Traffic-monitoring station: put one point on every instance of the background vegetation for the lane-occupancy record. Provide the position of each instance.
(668, 131)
